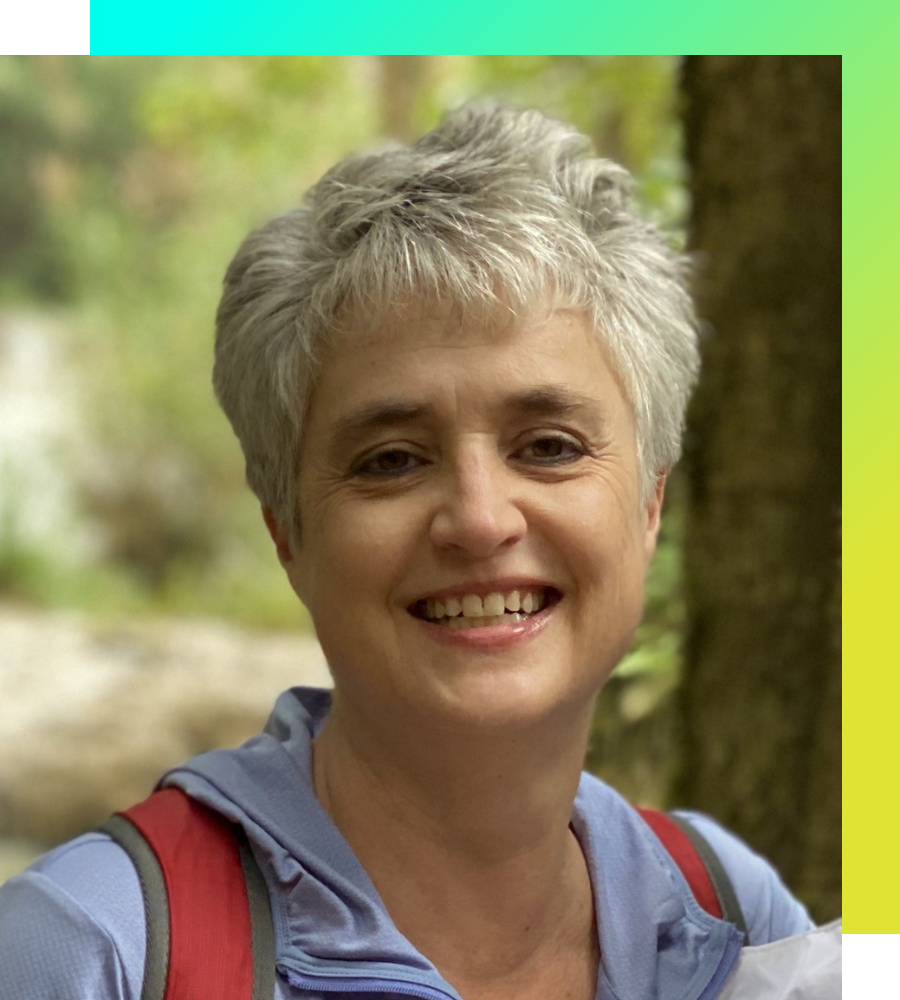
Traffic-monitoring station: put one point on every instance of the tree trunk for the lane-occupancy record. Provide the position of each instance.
(761, 694)
(404, 80)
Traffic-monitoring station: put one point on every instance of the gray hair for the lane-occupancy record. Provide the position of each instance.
(495, 211)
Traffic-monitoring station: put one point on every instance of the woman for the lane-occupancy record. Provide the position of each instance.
(458, 373)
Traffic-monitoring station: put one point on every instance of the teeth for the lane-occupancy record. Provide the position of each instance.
(472, 606)
(473, 609)
(494, 605)
(462, 622)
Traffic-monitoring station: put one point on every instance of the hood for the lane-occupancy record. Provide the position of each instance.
(333, 930)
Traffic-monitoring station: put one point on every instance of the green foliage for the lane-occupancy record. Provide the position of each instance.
(31, 264)
(656, 646)
(626, 104)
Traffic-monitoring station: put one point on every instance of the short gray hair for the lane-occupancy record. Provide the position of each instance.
(494, 211)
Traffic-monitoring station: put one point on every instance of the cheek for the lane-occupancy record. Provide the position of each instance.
(604, 518)
(357, 551)
(606, 549)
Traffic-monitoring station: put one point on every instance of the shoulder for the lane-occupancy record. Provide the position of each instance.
(770, 910)
(72, 925)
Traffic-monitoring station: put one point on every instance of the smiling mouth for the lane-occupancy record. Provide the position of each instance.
(476, 611)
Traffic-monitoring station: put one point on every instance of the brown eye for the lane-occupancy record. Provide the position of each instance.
(555, 449)
(547, 448)
(392, 462)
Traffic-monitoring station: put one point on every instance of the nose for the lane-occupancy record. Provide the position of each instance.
(477, 514)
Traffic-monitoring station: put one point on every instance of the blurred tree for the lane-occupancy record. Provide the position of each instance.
(405, 82)
(31, 173)
(68, 128)
(762, 682)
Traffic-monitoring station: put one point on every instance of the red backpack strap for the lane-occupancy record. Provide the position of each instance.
(700, 865)
(209, 927)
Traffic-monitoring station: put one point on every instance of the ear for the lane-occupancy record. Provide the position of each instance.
(280, 536)
(289, 553)
(653, 514)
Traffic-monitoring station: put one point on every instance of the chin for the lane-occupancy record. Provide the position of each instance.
(511, 699)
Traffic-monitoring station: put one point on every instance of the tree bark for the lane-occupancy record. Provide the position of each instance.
(760, 701)
(404, 79)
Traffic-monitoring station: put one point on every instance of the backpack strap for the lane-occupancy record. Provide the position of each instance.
(209, 926)
(700, 865)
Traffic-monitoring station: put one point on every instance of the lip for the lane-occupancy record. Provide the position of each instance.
(489, 638)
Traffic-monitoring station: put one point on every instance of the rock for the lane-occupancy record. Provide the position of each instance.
(91, 716)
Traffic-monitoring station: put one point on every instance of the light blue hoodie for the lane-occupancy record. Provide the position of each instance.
(72, 926)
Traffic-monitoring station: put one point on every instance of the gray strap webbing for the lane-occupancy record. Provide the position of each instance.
(261, 933)
(156, 903)
(731, 908)
(156, 908)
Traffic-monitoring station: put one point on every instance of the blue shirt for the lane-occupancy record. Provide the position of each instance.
(72, 926)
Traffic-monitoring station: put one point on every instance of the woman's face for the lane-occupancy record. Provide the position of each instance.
(449, 475)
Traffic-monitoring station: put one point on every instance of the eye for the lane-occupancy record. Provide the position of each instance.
(390, 462)
(551, 449)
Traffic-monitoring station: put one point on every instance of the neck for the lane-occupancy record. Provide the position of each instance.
(466, 835)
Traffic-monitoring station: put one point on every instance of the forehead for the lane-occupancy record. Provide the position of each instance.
(432, 363)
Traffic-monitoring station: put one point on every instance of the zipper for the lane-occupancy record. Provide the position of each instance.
(363, 984)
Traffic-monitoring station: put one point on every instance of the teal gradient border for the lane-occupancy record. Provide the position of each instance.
(201, 27)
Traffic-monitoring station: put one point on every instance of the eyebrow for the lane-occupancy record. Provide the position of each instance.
(544, 400)
(550, 400)
(373, 417)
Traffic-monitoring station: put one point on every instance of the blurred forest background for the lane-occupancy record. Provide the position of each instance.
(143, 615)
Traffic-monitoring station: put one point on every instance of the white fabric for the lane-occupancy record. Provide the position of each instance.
(804, 967)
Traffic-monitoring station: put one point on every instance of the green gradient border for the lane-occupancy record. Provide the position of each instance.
(873, 702)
